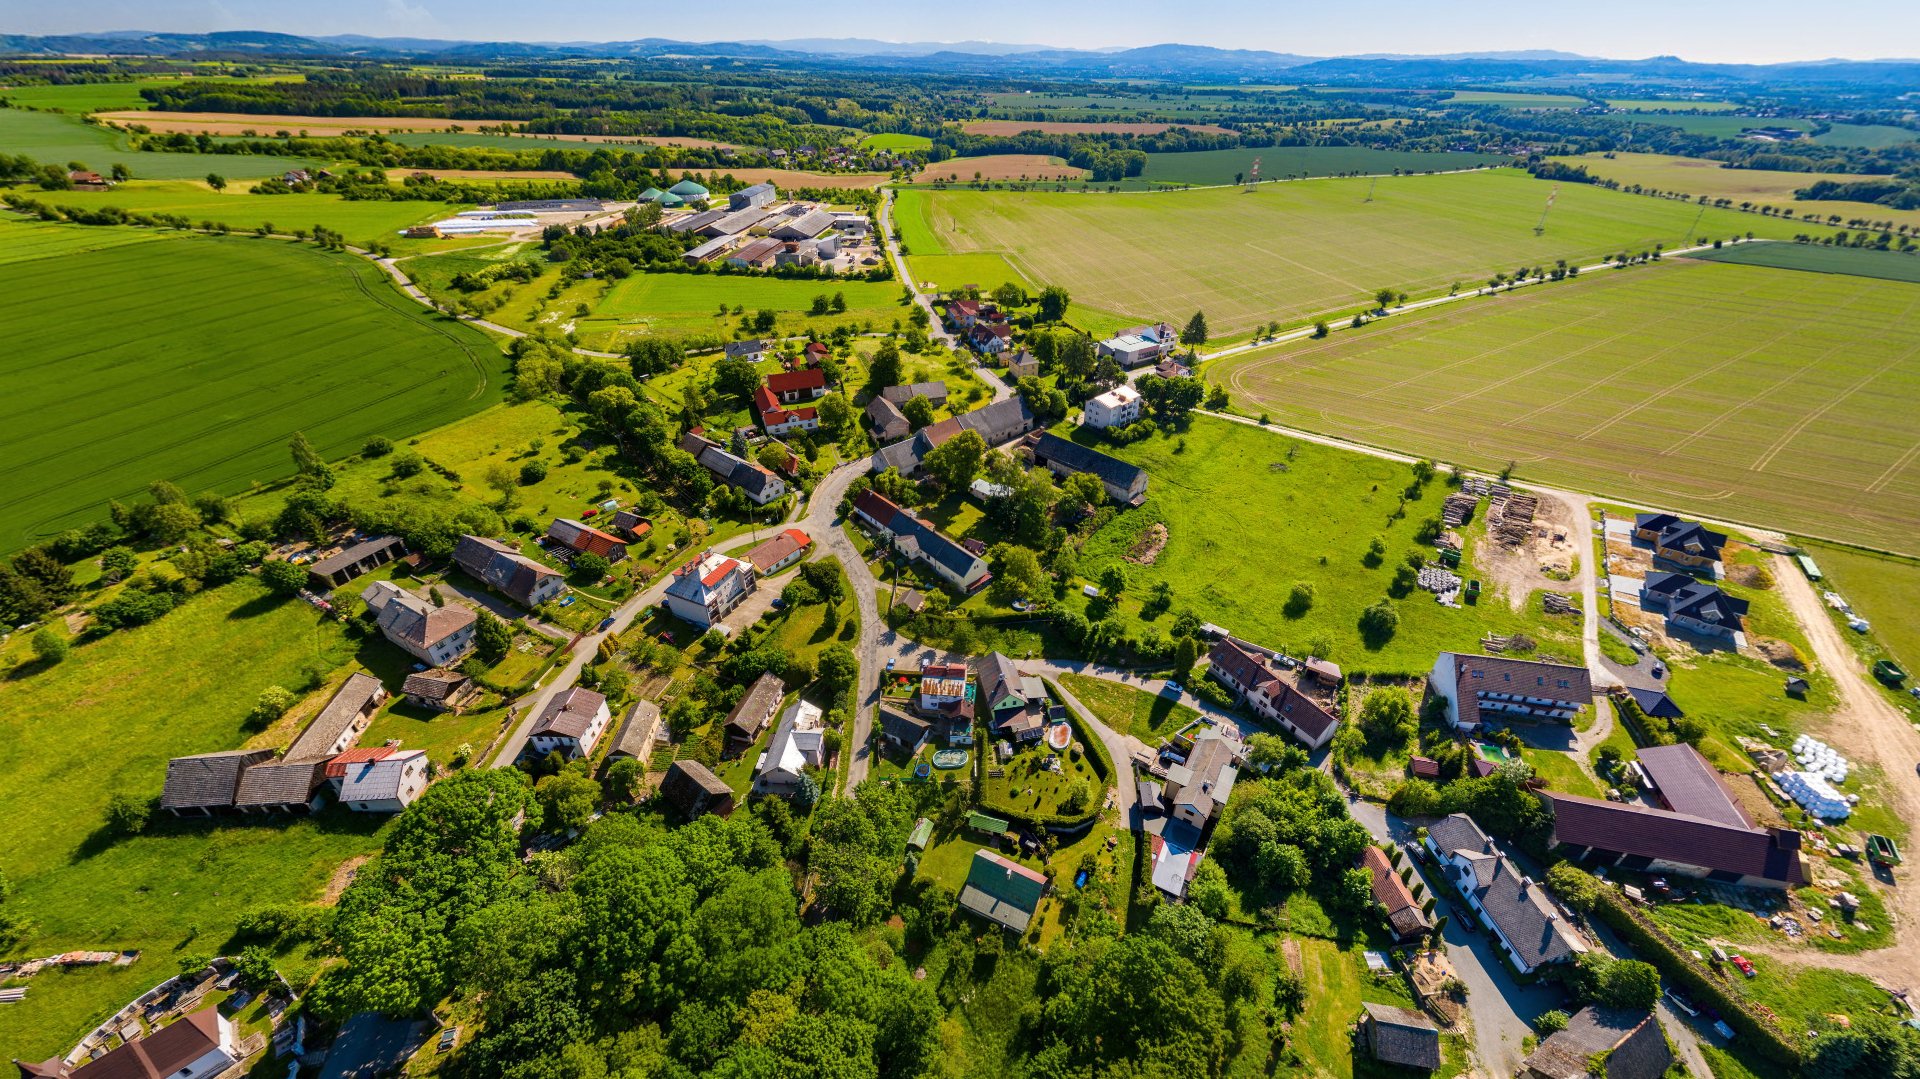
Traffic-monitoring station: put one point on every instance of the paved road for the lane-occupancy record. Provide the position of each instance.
(935, 329)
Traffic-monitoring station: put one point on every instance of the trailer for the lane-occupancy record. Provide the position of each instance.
(1882, 851)
(1889, 672)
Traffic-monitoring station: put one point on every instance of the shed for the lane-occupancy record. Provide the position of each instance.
(982, 822)
(922, 834)
(1403, 1037)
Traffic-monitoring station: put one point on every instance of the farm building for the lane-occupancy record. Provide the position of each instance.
(1002, 891)
(440, 690)
(888, 421)
(708, 251)
(709, 587)
(781, 551)
(754, 712)
(639, 733)
(335, 570)
(205, 783)
(794, 387)
(1481, 687)
(688, 190)
(934, 392)
(385, 784)
(1400, 1036)
(1115, 408)
(292, 783)
(905, 733)
(1265, 690)
(555, 206)
(804, 227)
(203, 1042)
(586, 539)
(759, 194)
(1602, 1043)
(920, 541)
(1125, 483)
(756, 254)
(687, 223)
(571, 723)
(437, 636)
(1140, 345)
(997, 423)
(507, 571)
(734, 223)
(693, 789)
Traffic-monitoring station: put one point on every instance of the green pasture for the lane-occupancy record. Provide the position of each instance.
(359, 221)
(1725, 125)
(959, 271)
(1204, 167)
(1866, 136)
(1515, 100)
(1852, 261)
(1740, 392)
(895, 141)
(1225, 489)
(1884, 590)
(686, 304)
(124, 705)
(85, 97)
(193, 359)
(1634, 104)
(525, 143)
(1295, 251)
(53, 138)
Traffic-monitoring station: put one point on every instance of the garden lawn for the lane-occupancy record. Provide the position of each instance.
(1617, 381)
(1249, 513)
(1009, 793)
(199, 357)
(1149, 717)
(56, 139)
(124, 705)
(361, 222)
(1295, 251)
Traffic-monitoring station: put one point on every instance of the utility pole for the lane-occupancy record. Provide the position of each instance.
(1693, 230)
(1541, 225)
(1371, 186)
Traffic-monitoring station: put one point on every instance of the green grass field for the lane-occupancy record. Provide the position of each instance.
(53, 138)
(1743, 392)
(1883, 589)
(359, 222)
(1149, 717)
(1203, 167)
(1725, 126)
(1249, 513)
(1852, 261)
(681, 304)
(533, 143)
(1294, 251)
(84, 97)
(1866, 136)
(1661, 104)
(193, 359)
(124, 705)
(1515, 101)
(893, 141)
(1761, 187)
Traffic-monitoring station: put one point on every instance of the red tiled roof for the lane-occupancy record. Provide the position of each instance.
(1426, 768)
(811, 378)
(719, 573)
(1767, 853)
(337, 765)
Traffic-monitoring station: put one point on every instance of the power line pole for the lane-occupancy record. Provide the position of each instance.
(1371, 186)
(1541, 225)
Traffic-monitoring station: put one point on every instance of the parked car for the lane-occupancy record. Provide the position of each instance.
(1745, 965)
(1171, 689)
(606, 623)
(1721, 1028)
(1682, 1003)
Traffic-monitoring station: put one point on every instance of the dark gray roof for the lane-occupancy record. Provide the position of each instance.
(1632, 1040)
(1638, 831)
(1655, 702)
(1680, 534)
(435, 685)
(1695, 599)
(916, 537)
(346, 559)
(1458, 832)
(996, 423)
(208, 780)
(356, 695)
(1073, 455)
(280, 783)
(501, 566)
(900, 395)
(1688, 784)
(744, 348)
(1401, 1036)
(688, 783)
(1520, 909)
(888, 421)
(902, 727)
(641, 723)
(756, 708)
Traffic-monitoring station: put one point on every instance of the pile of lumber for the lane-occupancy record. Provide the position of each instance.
(1458, 510)
(1556, 603)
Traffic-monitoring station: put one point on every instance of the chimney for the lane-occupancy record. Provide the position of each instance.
(1526, 884)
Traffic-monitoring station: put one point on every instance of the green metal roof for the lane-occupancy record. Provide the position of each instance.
(922, 833)
(671, 199)
(986, 823)
(650, 194)
(687, 189)
(1006, 880)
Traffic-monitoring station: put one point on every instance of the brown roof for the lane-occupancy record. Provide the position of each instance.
(434, 685)
(356, 695)
(569, 714)
(772, 552)
(1524, 677)
(1767, 853)
(1632, 1040)
(1392, 893)
(208, 780)
(641, 724)
(160, 1054)
(688, 781)
(1402, 1036)
(750, 716)
(280, 783)
(1688, 784)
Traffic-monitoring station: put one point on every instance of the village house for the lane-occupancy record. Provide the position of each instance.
(888, 421)
(963, 313)
(1480, 688)
(1015, 704)
(1117, 407)
(631, 524)
(586, 539)
(1197, 789)
(1405, 919)
(920, 542)
(82, 180)
(934, 392)
(1602, 1043)
(693, 789)
(1022, 364)
(571, 723)
(436, 636)
(905, 733)
(1680, 541)
(797, 387)
(367, 555)
(440, 690)
(990, 338)
(816, 355)
(1172, 368)
(1693, 606)
(708, 587)
(504, 569)
(1269, 693)
(386, 784)
(776, 554)
(1140, 345)
(755, 480)
(799, 743)
(200, 1043)
(1002, 891)
(997, 423)
(1125, 483)
(292, 784)
(1400, 1036)
(751, 351)
(777, 419)
(753, 713)
(639, 733)
(1523, 920)
(204, 784)
(1700, 830)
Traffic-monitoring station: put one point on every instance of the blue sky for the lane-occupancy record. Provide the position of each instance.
(1707, 30)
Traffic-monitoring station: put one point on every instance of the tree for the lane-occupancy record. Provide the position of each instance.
(567, 798)
(116, 563)
(1195, 333)
(126, 814)
(1576, 888)
(1630, 983)
(1388, 715)
(1383, 298)
(1010, 295)
(308, 462)
(918, 410)
(1017, 573)
(49, 646)
(254, 964)
(1320, 328)
(836, 414)
(216, 181)
(590, 567)
(1353, 890)
(1053, 304)
(272, 703)
(736, 376)
(1299, 600)
(884, 369)
(283, 578)
(1083, 489)
(957, 460)
(1282, 865)
(838, 669)
(1378, 624)
(492, 637)
(532, 472)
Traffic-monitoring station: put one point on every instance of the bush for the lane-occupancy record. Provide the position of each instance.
(272, 703)
(1378, 624)
(1551, 1021)
(590, 567)
(283, 578)
(408, 465)
(127, 815)
(1299, 600)
(376, 447)
(49, 646)
(532, 472)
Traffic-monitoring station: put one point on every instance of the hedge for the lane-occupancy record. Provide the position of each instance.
(1679, 967)
(1061, 822)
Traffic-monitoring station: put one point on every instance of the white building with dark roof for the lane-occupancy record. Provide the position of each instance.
(708, 588)
(386, 784)
(572, 723)
(1523, 919)
(437, 636)
(1478, 688)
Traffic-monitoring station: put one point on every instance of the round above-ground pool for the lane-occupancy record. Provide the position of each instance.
(950, 758)
(1060, 735)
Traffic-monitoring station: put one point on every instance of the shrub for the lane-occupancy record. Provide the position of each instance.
(1299, 600)
(1378, 624)
(376, 447)
(590, 567)
(532, 472)
(49, 647)
(408, 465)
(272, 703)
(1551, 1021)
(126, 814)
(283, 578)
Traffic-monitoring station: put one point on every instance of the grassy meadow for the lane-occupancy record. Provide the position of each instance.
(1515, 100)
(1850, 261)
(1724, 125)
(1203, 167)
(237, 208)
(1295, 251)
(1761, 187)
(194, 358)
(1866, 136)
(54, 138)
(1738, 391)
(1664, 104)
(895, 141)
(124, 705)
